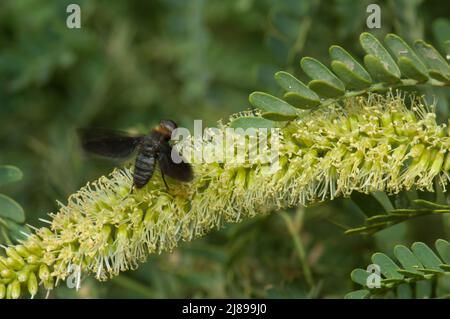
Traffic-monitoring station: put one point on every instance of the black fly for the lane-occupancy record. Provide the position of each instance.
(152, 148)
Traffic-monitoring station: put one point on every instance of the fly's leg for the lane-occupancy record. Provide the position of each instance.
(164, 179)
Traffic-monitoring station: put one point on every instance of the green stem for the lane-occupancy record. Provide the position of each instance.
(293, 230)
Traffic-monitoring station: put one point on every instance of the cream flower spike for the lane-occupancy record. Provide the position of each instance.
(372, 143)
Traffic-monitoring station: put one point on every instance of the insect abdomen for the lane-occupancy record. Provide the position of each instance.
(143, 168)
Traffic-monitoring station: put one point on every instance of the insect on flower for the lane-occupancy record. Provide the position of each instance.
(152, 148)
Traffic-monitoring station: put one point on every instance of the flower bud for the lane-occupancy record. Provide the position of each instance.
(240, 178)
(9, 291)
(354, 124)
(447, 162)
(44, 272)
(33, 246)
(14, 264)
(122, 232)
(410, 117)
(49, 283)
(416, 151)
(8, 274)
(2, 291)
(106, 231)
(11, 252)
(151, 216)
(123, 191)
(15, 289)
(3, 264)
(251, 177)
(32, 259)
(440, 131)
(138, 214)
(425, 157)
(44, 232)
(22, 276)
(32, 284)
(22, 251)
(399, 125)
(437, 163)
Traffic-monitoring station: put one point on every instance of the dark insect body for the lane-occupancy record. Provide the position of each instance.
(151, 149)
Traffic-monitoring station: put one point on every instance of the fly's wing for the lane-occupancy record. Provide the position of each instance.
(173, 165)
(108, 143)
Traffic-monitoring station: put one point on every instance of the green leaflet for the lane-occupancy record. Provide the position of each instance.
(246, 122)
(387, 265)
(9, 174)
(408, 62)
(348, 69)
(418, 267)
(407, 259)
(378, 69)
(438, 67)
(426, 256)
(443, 248)
(11, 213)
(347, 77)
(11, 209)
(360, 276)
(297, 93)
(273, 107)
(324, 82)
(358, 294)
(378, 61)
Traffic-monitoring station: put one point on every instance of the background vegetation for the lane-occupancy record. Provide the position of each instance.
(135, 62)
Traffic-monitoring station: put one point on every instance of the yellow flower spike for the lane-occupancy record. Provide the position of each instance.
(363, 145)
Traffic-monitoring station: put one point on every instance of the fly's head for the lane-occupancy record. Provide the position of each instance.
(165, 128)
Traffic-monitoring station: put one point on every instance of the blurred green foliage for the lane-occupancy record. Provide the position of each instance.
(12, 215)
(135, 62)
